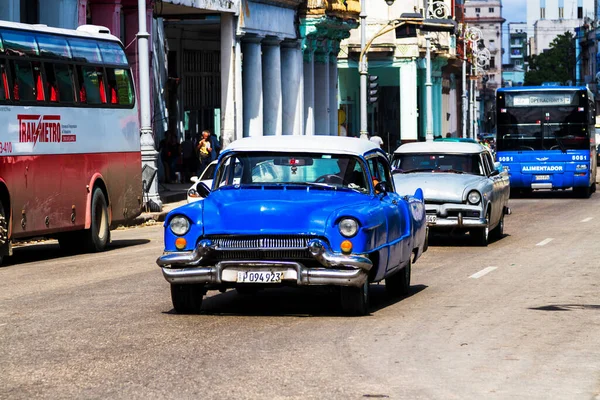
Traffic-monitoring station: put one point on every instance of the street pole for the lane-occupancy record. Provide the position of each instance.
(362, 69)
(428, 91)
(149, 154)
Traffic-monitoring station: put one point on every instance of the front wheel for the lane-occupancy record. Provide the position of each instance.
(398, 285)
(498, 231)
(187, 299)
(98, 234)
(480, 236)
(355, 300)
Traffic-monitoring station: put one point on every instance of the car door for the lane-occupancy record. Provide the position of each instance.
(496, 193)
(395, 223)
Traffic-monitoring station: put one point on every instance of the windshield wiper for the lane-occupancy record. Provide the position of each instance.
(408, 171)
(314, 184)
(560, 143)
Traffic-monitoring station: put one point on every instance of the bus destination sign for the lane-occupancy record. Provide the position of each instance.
(541, 99)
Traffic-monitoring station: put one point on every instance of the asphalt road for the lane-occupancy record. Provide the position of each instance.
(519, 319)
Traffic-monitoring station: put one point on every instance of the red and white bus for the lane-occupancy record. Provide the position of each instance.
(70, 161)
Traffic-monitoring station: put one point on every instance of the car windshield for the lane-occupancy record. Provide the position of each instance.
(422, 162)
(306, 169)
(209, 172)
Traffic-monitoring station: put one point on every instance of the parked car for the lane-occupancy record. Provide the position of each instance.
(464, 189)
(193, 193)
(295, 211)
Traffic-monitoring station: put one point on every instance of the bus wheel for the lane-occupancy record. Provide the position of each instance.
(98, 234)
(3, 234)
(583, 192)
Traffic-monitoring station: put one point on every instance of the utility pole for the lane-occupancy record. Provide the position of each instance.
(149, 154)
(362, 69)
(428, 91)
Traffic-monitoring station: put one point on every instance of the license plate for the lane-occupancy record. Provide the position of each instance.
(542, 177)
(259, 276)
(431, 219)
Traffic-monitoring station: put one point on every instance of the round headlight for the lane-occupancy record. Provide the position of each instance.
(179, 225)
(474, 197)
(348, 227)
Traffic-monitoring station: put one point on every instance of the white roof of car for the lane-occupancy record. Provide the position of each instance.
(308, 144)
(440, 147)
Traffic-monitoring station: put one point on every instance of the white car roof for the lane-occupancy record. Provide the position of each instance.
(440, 147)
(308, 144)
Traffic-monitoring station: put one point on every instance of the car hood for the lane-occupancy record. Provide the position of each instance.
(265, 210)
(437, 186)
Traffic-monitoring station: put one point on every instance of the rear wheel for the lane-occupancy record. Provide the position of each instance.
(187, 299)
(398, 285)
(583, 192)
(98, 235)
(355, 300)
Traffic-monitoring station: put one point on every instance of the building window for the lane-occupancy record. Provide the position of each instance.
(561, 13)
(477, 9)
(491, 10)
(29, 12)
(579, 12)
(493, 62)
(542, 13)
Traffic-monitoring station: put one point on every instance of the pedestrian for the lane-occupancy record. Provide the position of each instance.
(168, 150)
(376, 139)
(214, 145)
(189, 157)
(204, 152)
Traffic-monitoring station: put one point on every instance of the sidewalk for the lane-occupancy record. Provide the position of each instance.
(172, 195)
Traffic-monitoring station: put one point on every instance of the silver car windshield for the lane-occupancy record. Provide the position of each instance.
(427, 162)
(319, 170)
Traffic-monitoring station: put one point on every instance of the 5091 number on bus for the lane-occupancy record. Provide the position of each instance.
(5, 147)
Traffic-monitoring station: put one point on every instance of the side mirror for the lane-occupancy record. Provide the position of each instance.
(202, 189)
(194, 179)
(383, 187)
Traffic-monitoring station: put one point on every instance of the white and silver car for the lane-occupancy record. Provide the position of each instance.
(206, 178)
(464, 190)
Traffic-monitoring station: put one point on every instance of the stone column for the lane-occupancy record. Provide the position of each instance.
(252, 86)
(322, 105)
(239, 92)
(333, 94)
(292, 87)
(309, 88)
(408, 102)
(227, 78)
(271, 78)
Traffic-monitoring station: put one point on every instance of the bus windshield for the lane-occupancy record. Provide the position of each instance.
(543, 121)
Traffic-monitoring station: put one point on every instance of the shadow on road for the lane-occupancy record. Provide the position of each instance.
(293, 302)
(50, 250)
(458, 240)
(567, 307)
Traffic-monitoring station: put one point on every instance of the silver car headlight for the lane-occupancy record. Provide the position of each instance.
(348, 227)
(179, 225)
(474, 197)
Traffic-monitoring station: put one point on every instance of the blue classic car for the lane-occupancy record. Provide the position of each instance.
(295, 210)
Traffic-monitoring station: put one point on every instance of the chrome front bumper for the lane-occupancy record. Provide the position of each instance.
(338, 269)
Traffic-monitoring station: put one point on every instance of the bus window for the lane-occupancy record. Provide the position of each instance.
(85, 50)
(39, 85)
(55, 47)
(19, 43)
(65, 82)
(23, 81)
(89, 84)
(4, 88)
(112, 53)
(123, 85)
(51, 85)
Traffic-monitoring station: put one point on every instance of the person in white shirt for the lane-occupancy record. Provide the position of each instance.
(377, 139)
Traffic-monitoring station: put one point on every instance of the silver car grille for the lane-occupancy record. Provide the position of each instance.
(283, 242)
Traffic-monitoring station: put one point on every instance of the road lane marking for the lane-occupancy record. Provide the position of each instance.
(483, 272)
(587, 219)
(545, 242)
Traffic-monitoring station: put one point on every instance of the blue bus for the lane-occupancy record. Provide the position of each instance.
(546, 137)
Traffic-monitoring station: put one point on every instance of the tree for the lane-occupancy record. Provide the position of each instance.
(554, 65)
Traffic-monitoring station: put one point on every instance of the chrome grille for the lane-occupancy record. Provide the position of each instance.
(262, 255)
(244, 243)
